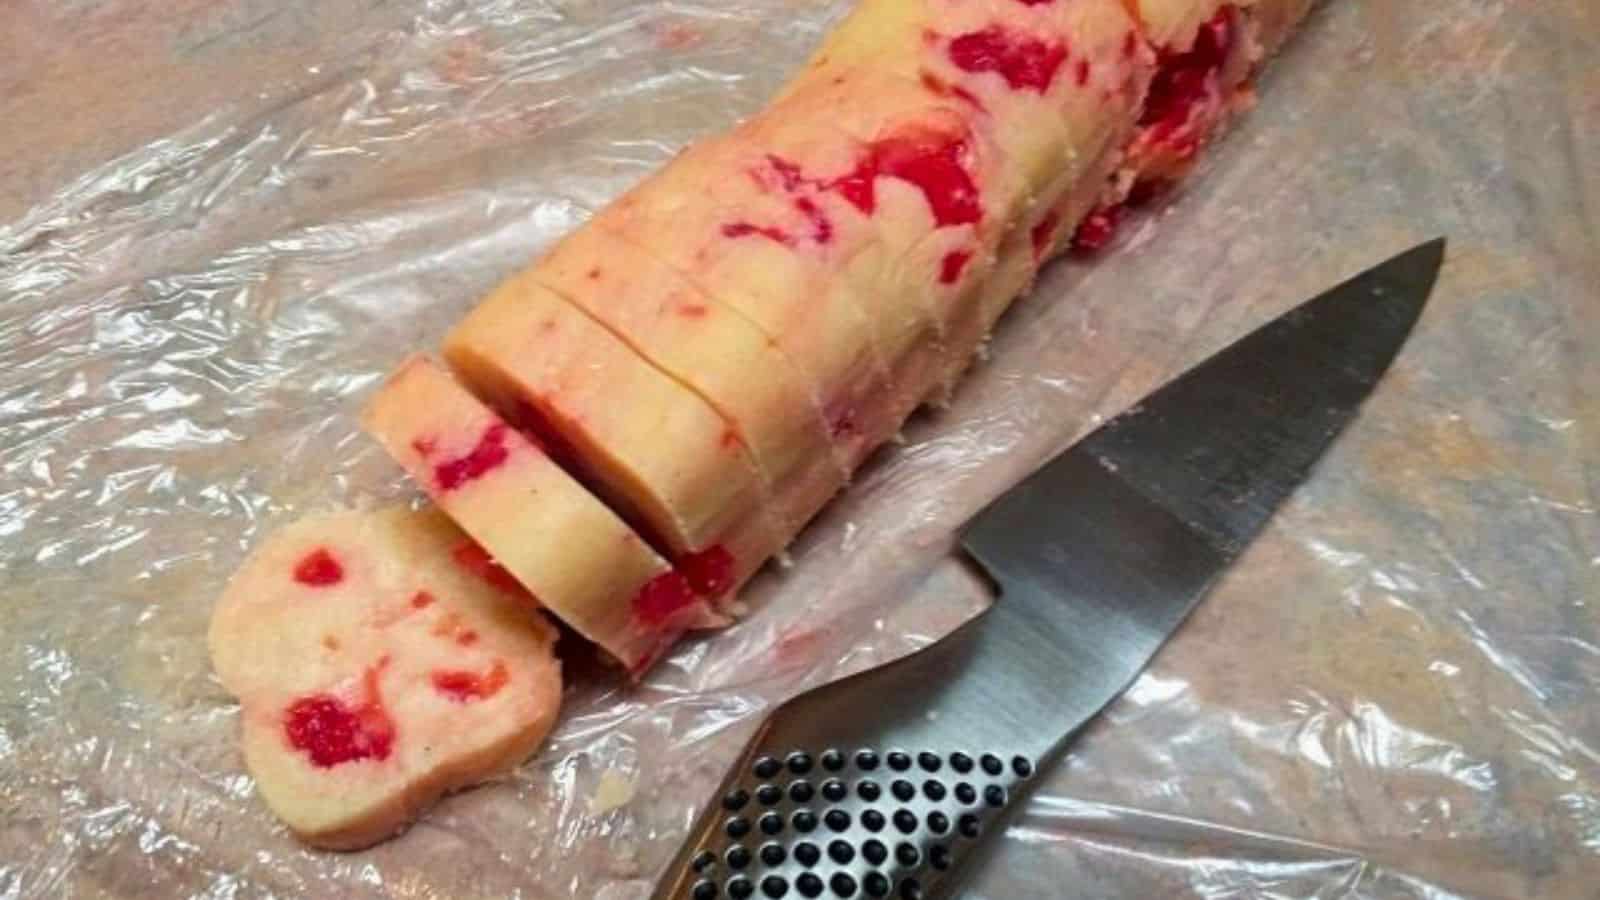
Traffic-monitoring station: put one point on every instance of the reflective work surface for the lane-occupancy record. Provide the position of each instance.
(221, 222)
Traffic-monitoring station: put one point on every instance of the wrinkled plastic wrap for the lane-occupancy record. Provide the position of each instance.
(222, 222)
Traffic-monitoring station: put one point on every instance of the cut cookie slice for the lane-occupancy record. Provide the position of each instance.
(582, 562)
(375, 671)
(652, 449)
(727, 216)
(708, 347)
(902, 184)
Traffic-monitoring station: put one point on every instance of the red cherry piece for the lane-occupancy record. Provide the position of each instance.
(465, 687)
(932, 162)
(709, 571)
(1026, 63)
(1097, 229)
(332, 733)
(319, 568)
(662, 596)
(1183, 79)
(489, 453)
(747, 229)
(821, 227)
(951, 266)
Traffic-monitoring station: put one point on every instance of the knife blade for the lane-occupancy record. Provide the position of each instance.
(884, 783)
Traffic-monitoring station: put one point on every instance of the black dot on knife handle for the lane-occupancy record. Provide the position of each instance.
(799, 762)
(969, 826)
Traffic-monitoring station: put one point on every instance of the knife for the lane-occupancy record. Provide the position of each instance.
(884, 784)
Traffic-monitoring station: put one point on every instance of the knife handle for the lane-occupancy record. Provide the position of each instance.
(879, 785)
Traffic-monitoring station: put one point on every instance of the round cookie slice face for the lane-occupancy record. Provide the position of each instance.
(378, 665)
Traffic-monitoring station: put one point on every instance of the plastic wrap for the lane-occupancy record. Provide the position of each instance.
(224, 221)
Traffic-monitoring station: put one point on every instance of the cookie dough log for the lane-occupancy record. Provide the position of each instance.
(1053, 86)
(648, 446)
(578, 558)
(1207, 52)
(375, 671)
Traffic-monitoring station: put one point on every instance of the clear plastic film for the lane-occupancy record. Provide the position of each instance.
(224, 222)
